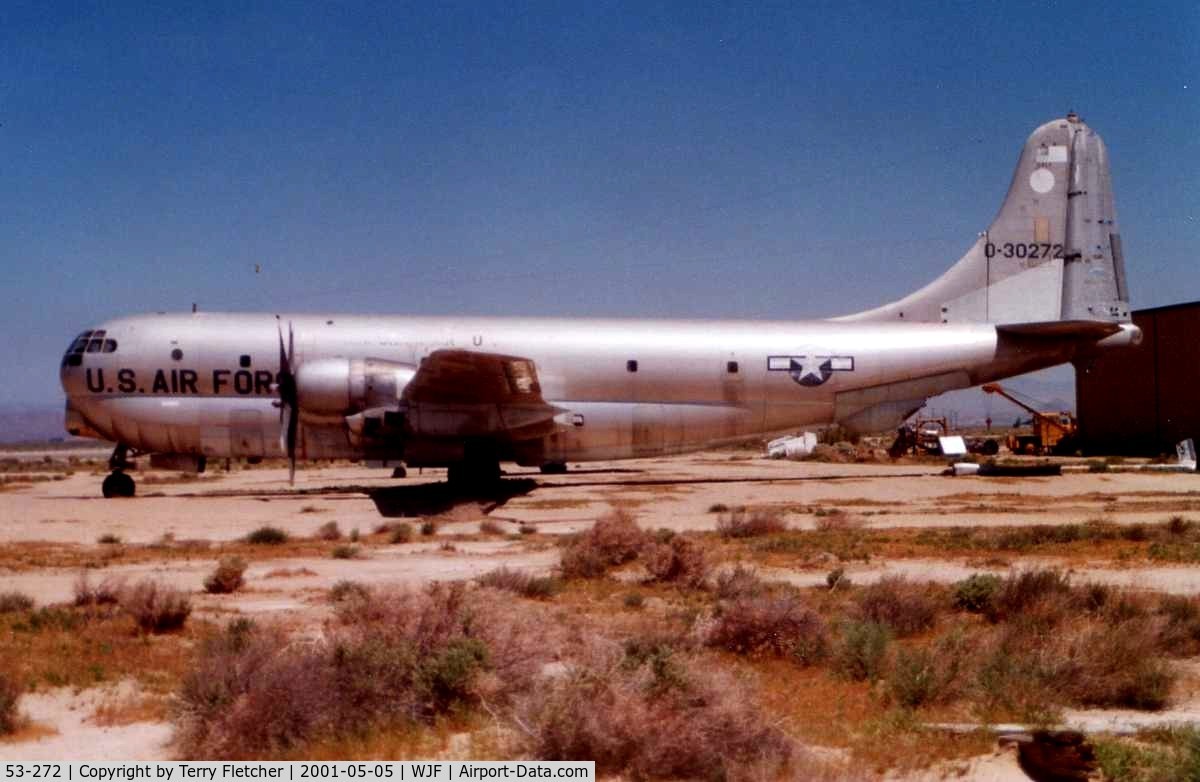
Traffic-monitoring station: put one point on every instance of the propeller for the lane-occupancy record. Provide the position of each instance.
(289, 406)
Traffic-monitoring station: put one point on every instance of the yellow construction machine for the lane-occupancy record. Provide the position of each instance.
(1053, 433)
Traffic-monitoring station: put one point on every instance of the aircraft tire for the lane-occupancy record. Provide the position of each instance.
(554, 468)
(118, 484)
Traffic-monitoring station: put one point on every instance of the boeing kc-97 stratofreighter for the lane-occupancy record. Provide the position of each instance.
(1043, 285)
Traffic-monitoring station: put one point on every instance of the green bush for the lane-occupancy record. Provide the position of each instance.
(267, 536)
(1163, 755)
(861, 650)
(914, 678)
(976, 592)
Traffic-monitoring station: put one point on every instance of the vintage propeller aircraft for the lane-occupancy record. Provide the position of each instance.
(1043, 285)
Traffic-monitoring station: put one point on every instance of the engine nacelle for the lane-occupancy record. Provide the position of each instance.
(331, 388)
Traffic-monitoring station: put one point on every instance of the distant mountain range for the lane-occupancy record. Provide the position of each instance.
(39, 422)
(970, 407)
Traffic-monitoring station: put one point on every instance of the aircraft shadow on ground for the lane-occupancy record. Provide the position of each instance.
(427, 499)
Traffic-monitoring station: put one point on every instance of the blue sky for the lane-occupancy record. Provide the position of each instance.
(775, 160)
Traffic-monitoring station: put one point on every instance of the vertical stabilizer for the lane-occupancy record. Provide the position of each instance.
(1053, 252)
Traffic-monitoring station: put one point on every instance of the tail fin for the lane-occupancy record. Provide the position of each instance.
(1052, 253)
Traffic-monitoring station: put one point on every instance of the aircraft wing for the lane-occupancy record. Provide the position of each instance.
(463, 393)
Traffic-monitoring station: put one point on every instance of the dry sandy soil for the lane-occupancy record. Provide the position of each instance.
(69, 515)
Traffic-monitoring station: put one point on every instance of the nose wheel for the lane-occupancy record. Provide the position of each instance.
(118, 483)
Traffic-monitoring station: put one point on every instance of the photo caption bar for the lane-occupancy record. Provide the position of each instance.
(372, 771)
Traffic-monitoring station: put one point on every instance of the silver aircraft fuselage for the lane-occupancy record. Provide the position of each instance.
(204, 383)
(1043, 285)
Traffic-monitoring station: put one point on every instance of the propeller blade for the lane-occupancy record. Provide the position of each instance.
(293, 427)
(289, 407)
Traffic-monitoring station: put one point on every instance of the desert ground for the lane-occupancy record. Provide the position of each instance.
(865, 521)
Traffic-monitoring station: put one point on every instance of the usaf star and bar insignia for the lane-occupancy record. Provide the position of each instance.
(810, 369)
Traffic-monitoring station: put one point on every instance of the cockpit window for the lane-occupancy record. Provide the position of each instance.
(80, 343)
(88, 342)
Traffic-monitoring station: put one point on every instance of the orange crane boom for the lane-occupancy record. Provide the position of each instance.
(1052, 432)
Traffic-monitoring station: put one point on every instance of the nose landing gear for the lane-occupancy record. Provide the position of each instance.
(118, 483)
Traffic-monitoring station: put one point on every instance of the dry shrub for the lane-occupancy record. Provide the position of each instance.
(902, 606)
(490, 527)
(1111, 667)
(387, 659)
(10, 694)
(402, 533)
(156, 607)
(643, 719)
(1179, 628)
(613, 540)
(227, 578)
(778, 625)
(328, 531)
(837, 521)
(1026, 669)
(678, 560)
(750, 523)
(739, 582)
(108, 592)
(1042, 595)
(348, 590)
(12, 602)
(837, 579)
(521, 583)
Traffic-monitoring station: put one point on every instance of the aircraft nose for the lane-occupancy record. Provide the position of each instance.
(70, 370)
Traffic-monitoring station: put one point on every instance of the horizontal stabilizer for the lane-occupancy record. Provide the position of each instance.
(1062, 329)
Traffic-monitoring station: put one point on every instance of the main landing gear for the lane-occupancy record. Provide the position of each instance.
(474, 473)
(118, 483)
